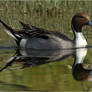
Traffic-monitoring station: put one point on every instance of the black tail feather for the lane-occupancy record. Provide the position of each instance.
(7, 27)
(9, 30)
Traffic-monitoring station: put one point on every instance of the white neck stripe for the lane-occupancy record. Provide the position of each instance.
(80, 40)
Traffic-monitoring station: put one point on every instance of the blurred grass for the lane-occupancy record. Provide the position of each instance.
(47, 14)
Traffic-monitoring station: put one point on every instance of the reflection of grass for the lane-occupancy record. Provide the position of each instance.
(14, 86)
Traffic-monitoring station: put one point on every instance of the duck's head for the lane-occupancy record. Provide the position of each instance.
(79, 20)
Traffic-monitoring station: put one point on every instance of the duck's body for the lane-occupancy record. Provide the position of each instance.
(50, 40)
(36, 38)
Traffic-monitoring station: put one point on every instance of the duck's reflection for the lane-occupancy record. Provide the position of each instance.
(79, 72)
(31, 57)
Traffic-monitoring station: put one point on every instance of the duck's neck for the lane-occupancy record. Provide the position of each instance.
(80, 40)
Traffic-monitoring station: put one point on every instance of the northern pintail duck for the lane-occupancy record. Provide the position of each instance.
(37, 38)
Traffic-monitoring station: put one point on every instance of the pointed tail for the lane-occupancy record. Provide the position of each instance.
(9, 30)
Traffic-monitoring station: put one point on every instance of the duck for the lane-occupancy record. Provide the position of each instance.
(37, 38)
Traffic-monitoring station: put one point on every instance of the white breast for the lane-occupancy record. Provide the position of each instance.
(80, 40)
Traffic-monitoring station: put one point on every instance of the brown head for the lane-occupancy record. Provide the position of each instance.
(79, 20)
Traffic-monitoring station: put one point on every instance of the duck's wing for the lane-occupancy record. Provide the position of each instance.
(25, 26)
(33, 31)
(30, 28)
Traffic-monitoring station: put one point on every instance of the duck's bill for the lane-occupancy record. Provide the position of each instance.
(90, 23)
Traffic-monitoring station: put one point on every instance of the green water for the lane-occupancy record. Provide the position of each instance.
(50, 15)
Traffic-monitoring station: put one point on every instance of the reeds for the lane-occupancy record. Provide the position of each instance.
(47, 14)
